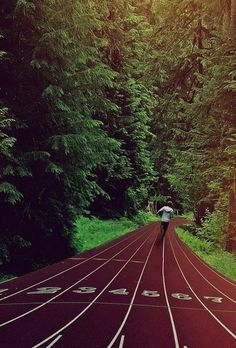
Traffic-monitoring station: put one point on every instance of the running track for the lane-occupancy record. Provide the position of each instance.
(130, 293)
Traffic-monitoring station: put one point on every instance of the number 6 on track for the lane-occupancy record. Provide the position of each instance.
(180, 296)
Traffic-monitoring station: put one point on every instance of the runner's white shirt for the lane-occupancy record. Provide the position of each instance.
(167, 213)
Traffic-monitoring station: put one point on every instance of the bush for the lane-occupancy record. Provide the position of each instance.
(91, 232)
(215, 225)
(144, 217)
(224, 262)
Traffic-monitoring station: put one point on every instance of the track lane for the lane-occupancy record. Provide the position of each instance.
(200, 271)
(134, 320)
(134, 251)
(223, 284)
(74, 320)
(22, 297)
(25, 282)
(147, 323)
(213, 331)
(210, 296)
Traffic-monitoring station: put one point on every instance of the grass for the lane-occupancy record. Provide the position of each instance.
(4, 277)
(223, 261)
(187, 216)
(92, 232)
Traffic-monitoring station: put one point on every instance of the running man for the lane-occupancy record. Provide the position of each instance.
(166, 213)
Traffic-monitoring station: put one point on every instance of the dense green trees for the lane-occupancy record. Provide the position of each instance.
(83, 123)
(103, 104)
(196, 86)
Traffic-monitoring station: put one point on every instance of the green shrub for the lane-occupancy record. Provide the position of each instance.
(91, 232)
(215, 225)
(144, 217)
(224, 262)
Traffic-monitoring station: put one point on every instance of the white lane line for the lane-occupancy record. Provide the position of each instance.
(203, 275)
(118, 304)
(208, 310)
(133, 298)
(55, 341)
(166, 297)
(104, 259)
(92, 302)
(122, 341)
(206, 265)
(67, 289)
(62, 272)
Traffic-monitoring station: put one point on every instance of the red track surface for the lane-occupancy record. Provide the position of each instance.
(131, 293)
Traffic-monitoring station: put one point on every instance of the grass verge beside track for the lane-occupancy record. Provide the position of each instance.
(91, 232)
(223, 261)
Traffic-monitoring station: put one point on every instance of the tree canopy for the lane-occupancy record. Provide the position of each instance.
(104, 105)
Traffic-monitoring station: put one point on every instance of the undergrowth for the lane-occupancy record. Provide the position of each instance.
(221, 260)
(91, 232)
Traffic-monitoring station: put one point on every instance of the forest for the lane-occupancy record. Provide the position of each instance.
(105, 105)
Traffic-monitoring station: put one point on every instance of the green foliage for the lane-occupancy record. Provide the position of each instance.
(215, 225)
(222, 261)
(144, 217)
(104, 104)
(129, 184)
(91, 232)
(193, 77)
(82, 121)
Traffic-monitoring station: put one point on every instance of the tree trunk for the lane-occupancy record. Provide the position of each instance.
(226, 8)
(231, 238)
(233, 21)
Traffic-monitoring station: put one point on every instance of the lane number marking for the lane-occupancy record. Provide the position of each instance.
(214, 299)
(181, 296)
(122, 291)
(151, 293)
(85, 290)
(119, 292)
(45, 290)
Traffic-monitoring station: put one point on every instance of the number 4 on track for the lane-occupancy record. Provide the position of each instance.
(119, 292)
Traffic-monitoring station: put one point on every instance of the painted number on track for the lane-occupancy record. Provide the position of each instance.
(214, 299)
(85, 290)
(122, 292)
(150, 293)
(180, 296)
(46, 290)
(119, 292)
